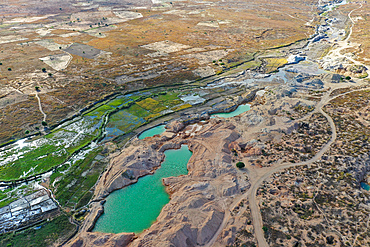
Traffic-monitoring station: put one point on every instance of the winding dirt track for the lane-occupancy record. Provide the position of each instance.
(259, 175)
(255, 211)
(40, 106)
(344, 44)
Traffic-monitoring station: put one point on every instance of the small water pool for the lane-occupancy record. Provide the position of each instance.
(135, 207)
(365, 186)
(153, 131)
(238, 111)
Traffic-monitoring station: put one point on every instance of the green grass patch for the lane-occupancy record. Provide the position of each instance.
(137, 110)
(7, 201)
(168, 99)
(50, 157)
(50, 232)
(73, 185)
(274, 63)
(119, 102)
(100, 111)
(181, 107)
(148, 104)
(80, 144)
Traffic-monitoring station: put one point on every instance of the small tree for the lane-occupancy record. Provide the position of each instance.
(37, 88)
(43, 70)
(44, 123)
(240, 165)
(9, 69)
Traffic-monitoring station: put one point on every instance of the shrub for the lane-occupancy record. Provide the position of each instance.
(44, 123)
(240, 164)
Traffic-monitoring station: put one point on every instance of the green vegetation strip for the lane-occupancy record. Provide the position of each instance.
(57, 229)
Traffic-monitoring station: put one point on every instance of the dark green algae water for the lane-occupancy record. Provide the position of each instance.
(137, 206)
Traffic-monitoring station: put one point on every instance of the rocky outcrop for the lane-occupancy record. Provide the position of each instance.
(332, 78)
(126, 168)
(175, 126)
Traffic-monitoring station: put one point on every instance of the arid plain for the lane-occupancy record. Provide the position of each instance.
(81, 80)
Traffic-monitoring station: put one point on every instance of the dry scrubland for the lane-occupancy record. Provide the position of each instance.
(361, 36)
(57, 57)
(92, 49)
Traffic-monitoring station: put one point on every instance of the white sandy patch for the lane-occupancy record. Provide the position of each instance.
(57, 62)
(28, 19)
(204, 71)
(166, 46)
(43, 31)
(207, 57)
(208, 24)
(195, 12)
(105, 8)
(91, 7)
(158, 1)
(128, 15)
(196, 49)
(90, 17)
(178, 12)
(192, 99)
(51, 45)
(222, 22)
(95, 33)
(140, 7)
(66, 35)
(107, 17)
(82, 4)
(260, 93)
(157, 54)
(11, 38)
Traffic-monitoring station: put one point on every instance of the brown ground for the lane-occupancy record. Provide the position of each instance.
(207, 30)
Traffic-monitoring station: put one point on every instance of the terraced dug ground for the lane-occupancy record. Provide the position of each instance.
(81, 79)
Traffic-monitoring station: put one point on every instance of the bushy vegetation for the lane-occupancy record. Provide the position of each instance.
(240, 165)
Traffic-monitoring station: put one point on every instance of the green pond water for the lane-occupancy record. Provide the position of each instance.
(137, 206)
(239, 110)
(153, 131)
